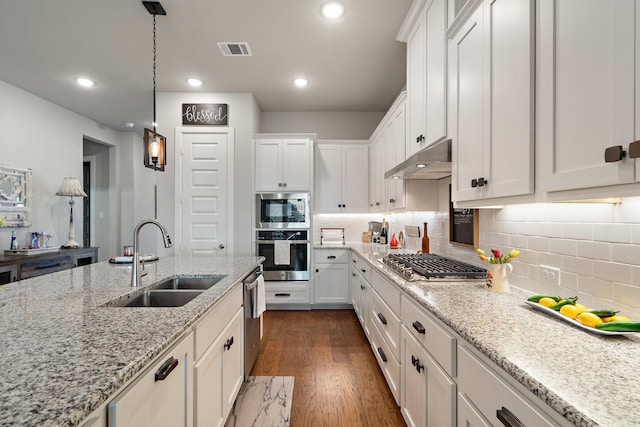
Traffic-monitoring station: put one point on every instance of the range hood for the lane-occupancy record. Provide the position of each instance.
(433, 162)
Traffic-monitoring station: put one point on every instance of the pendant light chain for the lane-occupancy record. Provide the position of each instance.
(154, 72)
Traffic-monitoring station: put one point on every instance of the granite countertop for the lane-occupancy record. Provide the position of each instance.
(589, 379)
(64, 353)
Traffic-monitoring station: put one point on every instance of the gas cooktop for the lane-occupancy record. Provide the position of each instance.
(415, 267)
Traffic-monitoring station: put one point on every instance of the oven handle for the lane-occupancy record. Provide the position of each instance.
(271, 242)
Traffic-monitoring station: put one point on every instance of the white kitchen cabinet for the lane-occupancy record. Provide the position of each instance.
(218, 374)
(588, 91)
(161, 395)
(395, 153)
(341, 178)
(491, 101)
(468, 415)
(361, 293)
(378, 146)
(282, 164)
(331, 278)
(427, 77)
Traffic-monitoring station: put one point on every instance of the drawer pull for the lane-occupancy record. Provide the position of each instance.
(362, 287)
(382, 355)
(382, 318)
(614, 154)
(416, 362)
(363, 270)
(166, 368)
(228, 344)
(283, 294)
(353, 274)
(418, 327)
(508, 419)
(331, 257)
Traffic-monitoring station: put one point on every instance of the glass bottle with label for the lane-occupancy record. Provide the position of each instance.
(425, 240)
(383, 232)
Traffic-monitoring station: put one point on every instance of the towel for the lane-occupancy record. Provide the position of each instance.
(258, 297)
(282, 252)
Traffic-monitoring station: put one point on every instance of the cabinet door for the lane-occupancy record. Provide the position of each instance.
(378, 173)
(468, 415)
(331, 282)
(416, 82)
(268, 164)
(436, 72)
(467, 89)
(413, 395)
(232, 361)
(587, 89)
(157, 400)
(296, 166)
(395, 153)
(355, 178)
(328, 178)
(441, 395)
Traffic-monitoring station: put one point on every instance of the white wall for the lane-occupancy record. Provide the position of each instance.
(327, 125)
(48, 139)
(244, 118)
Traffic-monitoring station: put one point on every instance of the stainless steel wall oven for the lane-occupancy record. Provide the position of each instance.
(287, 254)
(282, 210)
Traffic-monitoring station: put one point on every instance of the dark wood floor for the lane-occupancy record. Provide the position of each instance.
(337, 379)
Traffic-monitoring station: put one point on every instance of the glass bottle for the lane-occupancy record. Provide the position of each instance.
(425, 240)
(383, 232)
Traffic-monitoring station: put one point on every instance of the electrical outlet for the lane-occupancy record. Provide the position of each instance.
(550, 275)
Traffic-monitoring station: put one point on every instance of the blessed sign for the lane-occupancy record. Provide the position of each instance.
(205, 114)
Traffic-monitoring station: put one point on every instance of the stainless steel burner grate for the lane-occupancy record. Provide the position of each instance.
(433, 266)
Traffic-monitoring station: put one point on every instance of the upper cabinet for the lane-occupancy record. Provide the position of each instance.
(283, 164)
(588, 91)
(491, 87)
(426, 75)
(341, 177)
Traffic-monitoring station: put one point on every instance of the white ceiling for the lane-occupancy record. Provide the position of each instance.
(353, 64)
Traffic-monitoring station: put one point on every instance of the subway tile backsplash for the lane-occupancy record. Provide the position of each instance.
(595, 245)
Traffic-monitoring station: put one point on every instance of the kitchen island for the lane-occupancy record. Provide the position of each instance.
(579, 377)
(65, 353)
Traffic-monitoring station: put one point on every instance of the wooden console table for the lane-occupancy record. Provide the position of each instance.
(18, 267)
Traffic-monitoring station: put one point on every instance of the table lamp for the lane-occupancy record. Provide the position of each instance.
(71, 187)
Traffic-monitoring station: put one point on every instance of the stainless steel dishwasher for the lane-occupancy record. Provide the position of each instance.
(251, 323)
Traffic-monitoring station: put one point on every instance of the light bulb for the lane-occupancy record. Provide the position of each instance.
(154, 148)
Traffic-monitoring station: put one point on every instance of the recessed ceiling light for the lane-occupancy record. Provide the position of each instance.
(332, 9)
(421, 165)
(129, 124)
(395, 177)
(84, 82)
(194, 82)
(301, 82)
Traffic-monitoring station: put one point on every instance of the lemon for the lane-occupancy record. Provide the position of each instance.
(616, 318)
(547, 302)
(589, 319)
(569, 310)
(580, 307)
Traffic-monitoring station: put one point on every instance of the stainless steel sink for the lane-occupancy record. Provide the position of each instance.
(196, 283)
(159, 298)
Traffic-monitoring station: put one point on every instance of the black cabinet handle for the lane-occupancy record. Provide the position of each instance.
(418, 327)
(416, 362)
(363, 270)
(382, 355)
(382, 318)
(353, 260)
(362, 287)
(353, 274)
(331, 257)
(474, 183)
(614, 154)
(166, 368)
(228, 344)
(283, 295)
(317, 271)
(482, 182)
(507, 418)
(634, 149)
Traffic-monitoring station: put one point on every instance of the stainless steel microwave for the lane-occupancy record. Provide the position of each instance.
(282, 210)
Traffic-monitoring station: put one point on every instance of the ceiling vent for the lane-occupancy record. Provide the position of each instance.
(234, 48)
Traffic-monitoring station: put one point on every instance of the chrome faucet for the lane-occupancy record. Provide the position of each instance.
(136, 274)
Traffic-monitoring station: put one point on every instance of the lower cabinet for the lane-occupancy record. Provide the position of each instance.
(331, 278)
(218, 375)
(361, 298)
(160, 396)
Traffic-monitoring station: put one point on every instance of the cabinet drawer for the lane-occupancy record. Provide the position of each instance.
(389, 292)
(388, 324)
(436, 340)
(287, 294)
(388, 363)
(45, 266)
(210, 326)
(362, 266)
(475, 378)
(331, 255)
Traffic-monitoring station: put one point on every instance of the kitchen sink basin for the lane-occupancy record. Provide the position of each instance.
(159, 298)
(195, 283)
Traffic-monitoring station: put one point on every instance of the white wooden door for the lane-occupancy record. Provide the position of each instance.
(436, 72)
(232, 361)
(268, 164)
(355, 178)
(416, 91)
(441, 395)
(331, 282)
(468, 415)
(328, 177)
(296, 164)
(587, 90)
(209, 407)
(378, 173)
(413, 395)
(395, 154)
(205, 190)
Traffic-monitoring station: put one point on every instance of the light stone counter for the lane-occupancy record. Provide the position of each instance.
(64, 353)
(589, 379)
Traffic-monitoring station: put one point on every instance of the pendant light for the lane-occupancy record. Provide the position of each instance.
(154, 144)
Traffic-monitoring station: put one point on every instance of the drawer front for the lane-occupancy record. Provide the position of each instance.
(387, 361)
(436, 340)
(45, 266)
(475, 378)
(210, 326)
(362, 266)
(287, 294)
(389, 292)
(388, 324)
(331, 255)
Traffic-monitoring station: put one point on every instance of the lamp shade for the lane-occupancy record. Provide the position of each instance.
(71, 187)
(155, 147)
